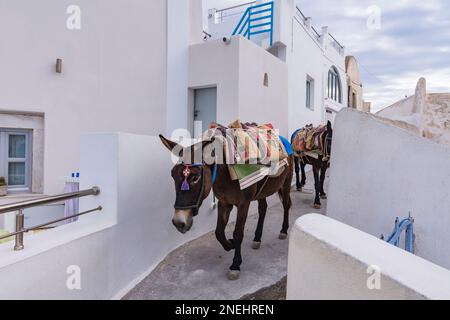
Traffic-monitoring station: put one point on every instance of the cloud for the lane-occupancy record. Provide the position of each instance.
(413, 41)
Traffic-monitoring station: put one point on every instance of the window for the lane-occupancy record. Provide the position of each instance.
(334, 90)
(15, 158)
(310, 93)
(266, 80)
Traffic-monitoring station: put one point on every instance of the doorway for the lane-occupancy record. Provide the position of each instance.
(205, 109)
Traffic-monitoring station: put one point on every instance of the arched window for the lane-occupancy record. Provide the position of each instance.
(334, 85)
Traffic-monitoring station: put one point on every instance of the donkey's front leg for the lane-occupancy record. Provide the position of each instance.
(323, 172)
(303, 166)
(317, 203)
(223, 216)
(238, 237)
(262, 210)
(297, 174)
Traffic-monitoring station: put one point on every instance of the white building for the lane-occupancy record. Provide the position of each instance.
(317, 87)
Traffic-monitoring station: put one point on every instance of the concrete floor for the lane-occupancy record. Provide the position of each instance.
(198, 270)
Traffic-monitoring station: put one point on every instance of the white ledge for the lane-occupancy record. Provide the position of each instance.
(330, 260)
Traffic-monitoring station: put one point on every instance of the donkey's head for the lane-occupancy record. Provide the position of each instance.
(193, 182)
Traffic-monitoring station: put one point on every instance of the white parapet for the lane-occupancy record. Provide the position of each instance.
(331, 260)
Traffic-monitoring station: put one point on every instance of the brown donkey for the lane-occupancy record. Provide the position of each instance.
(320, 166)
(229, 194)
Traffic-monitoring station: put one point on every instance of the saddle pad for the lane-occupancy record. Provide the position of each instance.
(252, 152)
(309, 139)
(248, 143)
(248, 175)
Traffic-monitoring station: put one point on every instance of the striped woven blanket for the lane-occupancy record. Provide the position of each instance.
(309, 139)
(251, 151)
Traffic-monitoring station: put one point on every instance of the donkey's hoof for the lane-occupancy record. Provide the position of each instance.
(324, 197)
(229, 245)
(317, 206)
(300, 189)
(282, 236)
(256, 245)
(234, 275)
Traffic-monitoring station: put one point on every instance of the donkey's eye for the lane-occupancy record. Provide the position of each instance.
(195, 179)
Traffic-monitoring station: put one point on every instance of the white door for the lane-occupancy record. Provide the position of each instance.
(205, 109)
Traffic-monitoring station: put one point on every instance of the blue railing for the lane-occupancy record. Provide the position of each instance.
(407, 226)
(256, 20)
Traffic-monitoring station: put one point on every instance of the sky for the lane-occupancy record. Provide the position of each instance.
(395, 41)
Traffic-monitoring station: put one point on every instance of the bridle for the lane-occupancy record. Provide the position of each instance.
(186, 186)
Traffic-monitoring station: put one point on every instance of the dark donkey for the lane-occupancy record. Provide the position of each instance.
(320, 166)
(200, 178)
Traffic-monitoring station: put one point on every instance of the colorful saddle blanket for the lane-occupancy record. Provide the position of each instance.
(309, 139)
(248, 143)
(252, 152)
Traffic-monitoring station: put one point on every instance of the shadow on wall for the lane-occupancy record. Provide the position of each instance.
(380, 172)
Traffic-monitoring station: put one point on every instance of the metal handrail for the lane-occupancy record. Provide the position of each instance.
(301, 13)
(238, 6)
(48, 200)
(337, 42)
(20, 218)
(304, 18)
(315, 32)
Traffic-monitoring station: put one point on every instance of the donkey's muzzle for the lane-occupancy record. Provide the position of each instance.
(183, 220)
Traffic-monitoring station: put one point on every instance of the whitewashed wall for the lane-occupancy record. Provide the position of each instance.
(116, 70)
(257, 102)
(305, 61)
(215, 64)
(380, 172)
(238, 69)
(331, 260)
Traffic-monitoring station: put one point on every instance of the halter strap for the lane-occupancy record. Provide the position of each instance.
(186, 187)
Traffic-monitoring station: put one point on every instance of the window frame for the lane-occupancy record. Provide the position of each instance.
(334, 85)
(5, 160)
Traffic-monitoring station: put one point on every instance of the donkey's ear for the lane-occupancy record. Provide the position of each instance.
(329, 126)
(173, 147)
